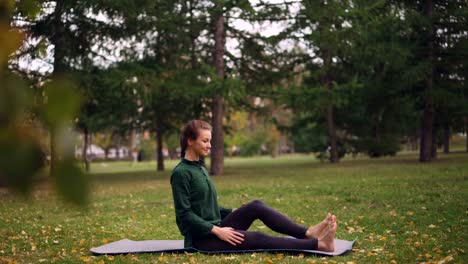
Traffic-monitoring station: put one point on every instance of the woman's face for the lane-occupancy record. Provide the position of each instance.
(202, 145)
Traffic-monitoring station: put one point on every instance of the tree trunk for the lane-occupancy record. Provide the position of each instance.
(159, 149)
(425, 153)
(59, 68)
(446, 138)
(330, 111)
(217, 150)
(85, 149)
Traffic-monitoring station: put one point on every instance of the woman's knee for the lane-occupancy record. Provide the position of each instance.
(256, 204)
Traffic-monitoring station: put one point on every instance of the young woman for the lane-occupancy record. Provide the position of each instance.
(207, 226)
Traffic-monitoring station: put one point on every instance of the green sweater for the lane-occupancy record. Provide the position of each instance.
(195, 201)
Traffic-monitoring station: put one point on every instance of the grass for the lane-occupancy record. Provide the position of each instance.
(400, 210)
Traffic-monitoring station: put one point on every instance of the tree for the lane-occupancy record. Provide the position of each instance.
(438, 28)
(217, 151)
(324, 26)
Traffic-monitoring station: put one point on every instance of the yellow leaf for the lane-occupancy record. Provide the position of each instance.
(105, 241)
(268, 261)
(85, 259)
(447, 259)
(82, 241)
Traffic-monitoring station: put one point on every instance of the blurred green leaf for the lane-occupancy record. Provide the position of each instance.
(21, 158)
(62, 102)
(13, 98)
(71, 182)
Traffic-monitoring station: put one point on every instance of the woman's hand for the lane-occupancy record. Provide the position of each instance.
(228, 234)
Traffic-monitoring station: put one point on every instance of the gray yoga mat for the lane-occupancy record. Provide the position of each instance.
(125, 246)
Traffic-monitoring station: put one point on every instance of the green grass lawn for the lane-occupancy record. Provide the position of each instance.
(401, 211)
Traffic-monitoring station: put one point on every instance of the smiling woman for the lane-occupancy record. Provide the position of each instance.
(207, 226)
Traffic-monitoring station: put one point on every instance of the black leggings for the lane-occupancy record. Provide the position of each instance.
(242, 218)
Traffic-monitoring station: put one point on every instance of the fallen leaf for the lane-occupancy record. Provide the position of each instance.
(85, 259)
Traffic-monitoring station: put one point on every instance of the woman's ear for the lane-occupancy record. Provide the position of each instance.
(190, 142)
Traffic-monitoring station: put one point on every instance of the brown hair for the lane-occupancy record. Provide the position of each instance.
(191, 131)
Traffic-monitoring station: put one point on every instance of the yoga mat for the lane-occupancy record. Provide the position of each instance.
(125, 246)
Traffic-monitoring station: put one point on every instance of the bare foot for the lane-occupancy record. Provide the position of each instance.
(326, 243)
(319, 229)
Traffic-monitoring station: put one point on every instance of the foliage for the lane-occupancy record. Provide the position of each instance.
(244, 141)
(378, 70)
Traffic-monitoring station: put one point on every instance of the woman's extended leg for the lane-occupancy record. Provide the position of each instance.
(255, 240)
(258, 240)
(244, 216)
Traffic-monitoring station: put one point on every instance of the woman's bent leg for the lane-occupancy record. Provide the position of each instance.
(255, 240)
(244, 216)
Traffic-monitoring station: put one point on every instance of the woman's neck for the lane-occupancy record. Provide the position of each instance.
(190, 155)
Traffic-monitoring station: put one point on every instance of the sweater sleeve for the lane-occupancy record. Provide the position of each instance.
(190, 222)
